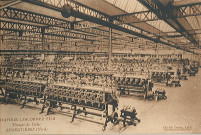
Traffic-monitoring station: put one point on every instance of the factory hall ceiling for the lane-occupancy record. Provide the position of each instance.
(135, 24)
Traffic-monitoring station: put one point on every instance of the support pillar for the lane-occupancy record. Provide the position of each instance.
(1, 47)
(174, 53)
(1, 40)
(43, 38)
(110, 49)
(156, 52)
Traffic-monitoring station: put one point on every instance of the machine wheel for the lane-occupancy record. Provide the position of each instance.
(138, 121)
(114, 117)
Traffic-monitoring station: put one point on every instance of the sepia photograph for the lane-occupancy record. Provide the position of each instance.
(100, 67)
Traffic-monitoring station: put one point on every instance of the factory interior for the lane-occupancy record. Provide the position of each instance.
(100, 66)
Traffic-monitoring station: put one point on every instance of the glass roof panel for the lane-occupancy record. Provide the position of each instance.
(194, 21)
(129, 6)
(161, 25)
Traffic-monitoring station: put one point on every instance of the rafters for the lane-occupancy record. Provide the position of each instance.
(124, 28)
(144, 16)
(21, 15)
(92, 24)
(162, 12)
(14, 26)
(10, 3)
